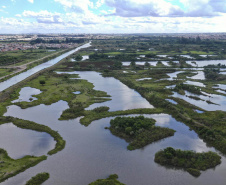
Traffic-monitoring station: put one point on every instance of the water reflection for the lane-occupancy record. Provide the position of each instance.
(199, 76)
(218, 100)
(85, 57)
(26, 94)
(172, 101)
(93, 152)
(195, 83)
(141, 79)
(123, 98)
(20, 142)
(203, 63)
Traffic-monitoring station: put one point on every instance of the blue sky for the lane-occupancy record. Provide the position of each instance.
(112, 16)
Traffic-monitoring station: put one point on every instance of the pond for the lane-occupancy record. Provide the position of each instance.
(199, 76)
(20, 142)
(26, 94)
(142, 79)
(203, 63)
(200, 84)
(218, 100)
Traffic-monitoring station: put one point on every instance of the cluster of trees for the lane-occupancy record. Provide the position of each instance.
(138, 131)
(190, 88)
(78, 57)
(211, 73)
(111, 180)
(7, 60)
(189, 160)
(97, 56)
(189, 40)
(132, 125)
(117, 65)
(101, 109)
(38, 179)
(56, 41)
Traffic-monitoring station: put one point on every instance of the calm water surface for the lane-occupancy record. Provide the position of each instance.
(26, 94)
(20, 142)
(93, 152)
(123, 98)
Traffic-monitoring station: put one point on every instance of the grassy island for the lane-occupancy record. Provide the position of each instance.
(138, 131)
(38, 179)
(111, 180)
(190, 161)
(10, 167)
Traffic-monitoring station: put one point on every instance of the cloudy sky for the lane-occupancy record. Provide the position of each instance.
(112, 16)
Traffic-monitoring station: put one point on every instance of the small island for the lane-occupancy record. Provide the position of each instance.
(38, 179)
(138, 131)
(111, 180)
(190, 161)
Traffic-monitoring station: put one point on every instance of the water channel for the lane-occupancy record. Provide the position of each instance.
(6, 84)
(93, 152)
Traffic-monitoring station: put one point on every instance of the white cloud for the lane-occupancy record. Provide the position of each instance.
(43, 16)
(3, 6)
(162, 8)
(31, 1)
(133, 8)
(99, 3)
(78, 6)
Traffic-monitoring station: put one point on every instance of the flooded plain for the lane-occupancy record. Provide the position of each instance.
(93, 152)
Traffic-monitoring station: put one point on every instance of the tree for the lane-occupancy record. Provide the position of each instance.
(118, 65)
(78, 58)
(42, 82)
(147, 64)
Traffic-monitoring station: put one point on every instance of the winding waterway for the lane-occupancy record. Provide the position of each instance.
(93, 152)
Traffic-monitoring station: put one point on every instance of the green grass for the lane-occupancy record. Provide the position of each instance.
(10, 167)
(4, 72)
(61, 87)
(91, 115)
(23, 57)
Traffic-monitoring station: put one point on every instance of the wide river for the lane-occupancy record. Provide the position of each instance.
(92, 152)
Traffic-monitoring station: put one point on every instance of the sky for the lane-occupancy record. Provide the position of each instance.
(112, 16)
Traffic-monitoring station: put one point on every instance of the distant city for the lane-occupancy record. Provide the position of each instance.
(11, 42)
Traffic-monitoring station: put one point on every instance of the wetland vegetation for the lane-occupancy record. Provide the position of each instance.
(11, 167)
(163, 64)
(111, 180)
(38, 179)
(138, 131)
(190, 161)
